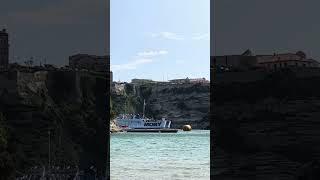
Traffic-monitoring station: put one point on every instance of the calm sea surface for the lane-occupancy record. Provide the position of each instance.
(153, 156)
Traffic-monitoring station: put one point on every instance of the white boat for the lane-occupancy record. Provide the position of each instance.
(130, 121)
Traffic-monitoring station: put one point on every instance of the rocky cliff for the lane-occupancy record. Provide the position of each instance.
(182, 103)
(267, 129)
(69, 106)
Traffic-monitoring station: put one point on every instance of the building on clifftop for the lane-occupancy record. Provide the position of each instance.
(286, 60)
(89, 62)
(141, 81)
(247, 61)
(242, 62)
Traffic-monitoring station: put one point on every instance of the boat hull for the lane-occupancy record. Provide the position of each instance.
(140, 123)
(153, 130)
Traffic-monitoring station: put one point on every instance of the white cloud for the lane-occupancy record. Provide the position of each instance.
(174, 36)
(152, 53)
(201, 36)
(131, 65)
(154, 35)
(167, 35)
(171, 35)
(141, 58)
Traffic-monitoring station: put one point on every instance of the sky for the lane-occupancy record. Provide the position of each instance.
(265, 27)
(159, 39)
(54, 30)
(164, 29)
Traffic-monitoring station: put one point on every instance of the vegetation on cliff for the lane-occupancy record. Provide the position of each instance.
(112, 112)
(132, 100)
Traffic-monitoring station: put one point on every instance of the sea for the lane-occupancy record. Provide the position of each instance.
(159, 156)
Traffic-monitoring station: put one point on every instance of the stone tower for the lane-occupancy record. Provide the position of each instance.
(4, 49)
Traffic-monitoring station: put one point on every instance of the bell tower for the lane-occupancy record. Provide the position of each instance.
(4, 49)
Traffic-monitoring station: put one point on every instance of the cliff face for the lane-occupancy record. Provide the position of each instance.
(267, 129)
(181, 103)
(72, 105)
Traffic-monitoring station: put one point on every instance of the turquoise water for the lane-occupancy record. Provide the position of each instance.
(153, 156)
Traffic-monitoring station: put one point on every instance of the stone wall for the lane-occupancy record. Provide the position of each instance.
(245, 76)
(8, 81)
(260, 74)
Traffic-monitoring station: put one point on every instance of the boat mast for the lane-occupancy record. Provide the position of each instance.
(144, 106)
(125, 107)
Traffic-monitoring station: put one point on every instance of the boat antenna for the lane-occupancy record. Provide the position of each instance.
(144, 107)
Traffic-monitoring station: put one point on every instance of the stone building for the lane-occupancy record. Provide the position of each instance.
(186, 80)
(199, 80)
(141, 81)
(241, 62)
(89, 62)
(247, 61)
(111, 77)
(286, 60)
(4, 49)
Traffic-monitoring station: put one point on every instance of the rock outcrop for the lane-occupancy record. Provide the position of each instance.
(71, 105)
(113, 127)
(267, 129)
(186, 103)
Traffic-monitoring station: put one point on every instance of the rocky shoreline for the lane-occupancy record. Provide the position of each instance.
(114, 128)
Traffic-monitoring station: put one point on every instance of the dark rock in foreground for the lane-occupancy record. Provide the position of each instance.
(267, 129)
(72, 105)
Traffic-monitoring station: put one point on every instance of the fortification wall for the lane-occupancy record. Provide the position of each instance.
(260, 74)
(8, 81)
(245, 76)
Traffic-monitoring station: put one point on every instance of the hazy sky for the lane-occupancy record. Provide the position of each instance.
(160, 39)
(55, 29)
(265, 26)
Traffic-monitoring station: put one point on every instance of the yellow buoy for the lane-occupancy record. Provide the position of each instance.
(186, 128)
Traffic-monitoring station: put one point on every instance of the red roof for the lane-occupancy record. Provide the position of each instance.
(280, 58)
